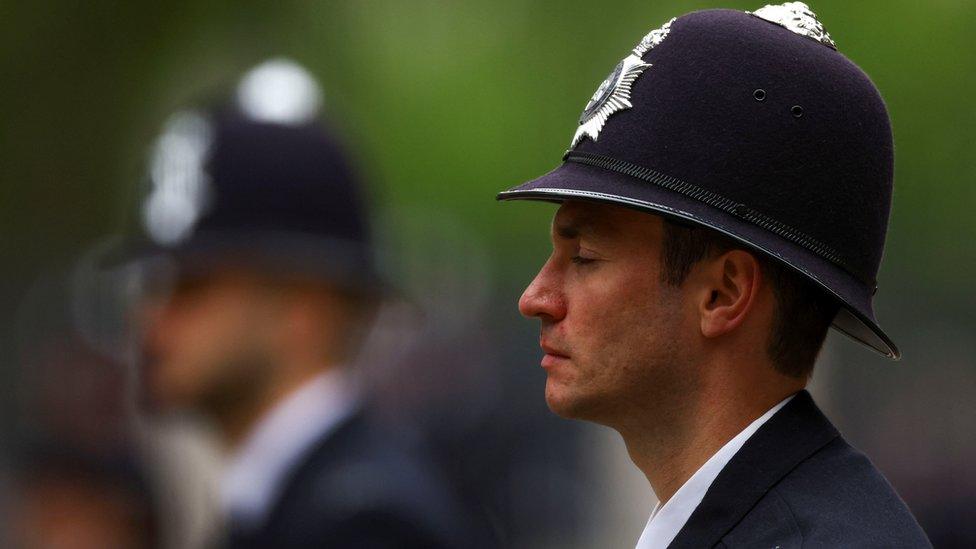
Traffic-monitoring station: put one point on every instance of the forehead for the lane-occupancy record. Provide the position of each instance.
(576, 219)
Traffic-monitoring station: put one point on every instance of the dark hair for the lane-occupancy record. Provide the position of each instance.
(803, 311)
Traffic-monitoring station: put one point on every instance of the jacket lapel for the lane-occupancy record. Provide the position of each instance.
(331, 448)
(793, 434)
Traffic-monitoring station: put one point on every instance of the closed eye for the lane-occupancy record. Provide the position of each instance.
(580, 260)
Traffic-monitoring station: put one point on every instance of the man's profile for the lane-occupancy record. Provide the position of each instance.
(723, 203)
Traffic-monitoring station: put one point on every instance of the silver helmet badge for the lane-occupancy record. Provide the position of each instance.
(797, 17)
(613, 95)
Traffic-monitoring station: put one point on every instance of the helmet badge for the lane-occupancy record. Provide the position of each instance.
(180, 182)
(797, 17)
(613, 95)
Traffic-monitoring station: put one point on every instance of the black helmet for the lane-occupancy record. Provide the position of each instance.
(755, 126)
(259, 178)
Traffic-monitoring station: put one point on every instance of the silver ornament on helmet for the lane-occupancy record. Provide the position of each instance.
(797, 17)
(180, 183)
(653, 38)
(613, 95)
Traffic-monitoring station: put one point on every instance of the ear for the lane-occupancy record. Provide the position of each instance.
(731, 284)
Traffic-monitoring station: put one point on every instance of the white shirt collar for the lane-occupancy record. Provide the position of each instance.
(255, 473)
(667, 520)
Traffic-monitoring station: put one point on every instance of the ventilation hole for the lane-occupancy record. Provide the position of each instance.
(797, 111)
(759, 94)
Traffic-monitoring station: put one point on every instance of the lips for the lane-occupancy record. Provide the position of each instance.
(554, 356)
(550, 350)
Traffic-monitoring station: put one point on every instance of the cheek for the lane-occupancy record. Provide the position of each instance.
(192, 331)
(191, 344)
(623, 323)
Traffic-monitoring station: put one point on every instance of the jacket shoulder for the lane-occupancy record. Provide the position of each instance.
(834, 498)
(367, 488)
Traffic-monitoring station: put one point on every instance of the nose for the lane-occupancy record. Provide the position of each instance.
(544, 298)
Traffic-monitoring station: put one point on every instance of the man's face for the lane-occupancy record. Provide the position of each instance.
(207, 344)
(615, 336)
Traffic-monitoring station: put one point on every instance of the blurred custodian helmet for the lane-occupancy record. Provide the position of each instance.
(753, 125)
(259, 178)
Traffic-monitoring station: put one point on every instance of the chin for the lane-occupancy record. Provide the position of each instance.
(567, 403)
(560, 408)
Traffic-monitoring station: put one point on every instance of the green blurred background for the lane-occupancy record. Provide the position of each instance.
(447, 103)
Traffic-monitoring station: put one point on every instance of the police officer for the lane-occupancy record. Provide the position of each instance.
(723, 202)
(266, 283)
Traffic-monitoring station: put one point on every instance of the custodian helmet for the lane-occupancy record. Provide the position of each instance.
(259, 178)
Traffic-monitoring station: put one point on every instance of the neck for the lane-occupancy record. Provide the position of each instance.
(670, 443)
(236, 423)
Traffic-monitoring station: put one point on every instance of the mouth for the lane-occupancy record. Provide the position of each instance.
(553, 356)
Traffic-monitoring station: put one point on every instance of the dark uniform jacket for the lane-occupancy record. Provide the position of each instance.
(357, 489)
(797, 483)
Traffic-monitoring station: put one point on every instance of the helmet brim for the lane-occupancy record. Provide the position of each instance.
(347, 264)
(575, 181)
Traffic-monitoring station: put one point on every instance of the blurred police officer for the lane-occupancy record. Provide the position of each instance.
(267, 282)
(724, 201)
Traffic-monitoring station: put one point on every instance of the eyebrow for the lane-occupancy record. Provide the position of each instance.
(571, 228)
(566, 230)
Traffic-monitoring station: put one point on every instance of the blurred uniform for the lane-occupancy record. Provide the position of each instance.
(256, 239)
